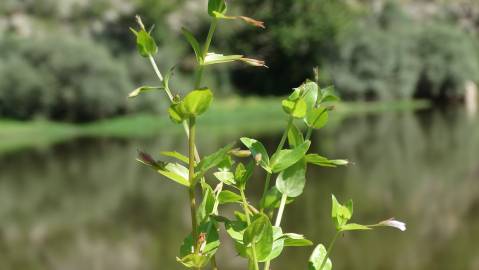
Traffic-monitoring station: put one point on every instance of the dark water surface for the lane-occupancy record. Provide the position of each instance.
(88, 205)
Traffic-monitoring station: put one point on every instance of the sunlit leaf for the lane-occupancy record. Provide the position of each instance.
(317, 258)
(317, 117)
(258, 151)
(143, 89)
(295, 240)
(213, 160)
(145, 43)
(196, 102)
(354, 227)
(287, 157)
(296, 109)
(295, 137)
(260, 234)
(176, 155)
(226, 177)
(216, 6)
(227, 196)
(291, 181)
(176, 172)
(278, 244)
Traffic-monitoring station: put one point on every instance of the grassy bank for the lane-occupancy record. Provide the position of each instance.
(231, 116)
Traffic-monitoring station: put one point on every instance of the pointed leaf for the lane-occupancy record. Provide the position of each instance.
(213, 160)
(295, 240)
(176, 172)
(176, 155)
(317, 258)
(143, 89)
(295, 137)
(145, 44)
(260, 234)
(317, 118)
(354, 227)
(287, 157)
(227, 196)
(196, 102)
(258, 151)
(193, 43)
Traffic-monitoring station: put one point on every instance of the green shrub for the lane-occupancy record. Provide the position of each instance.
(60, 77)
(395, 58)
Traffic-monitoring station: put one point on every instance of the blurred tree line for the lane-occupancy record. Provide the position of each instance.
(75, 60)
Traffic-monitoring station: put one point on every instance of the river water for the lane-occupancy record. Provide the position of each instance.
(87, 204)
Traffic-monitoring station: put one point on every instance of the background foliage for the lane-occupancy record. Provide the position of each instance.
(75, 60)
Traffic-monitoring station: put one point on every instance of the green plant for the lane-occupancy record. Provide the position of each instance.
(255, 235)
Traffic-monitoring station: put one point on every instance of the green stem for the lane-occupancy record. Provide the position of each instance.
(309, 133)
(277, 223)
(248, 221)
(279, 148)
(206, 47)
(191, 178)
(328, 252)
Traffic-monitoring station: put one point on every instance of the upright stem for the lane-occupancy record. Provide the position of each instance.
(206, 47)
(279, 148)
(309, 133)
(248, 221)
(191, 178)
(328, 252)
(277, 223)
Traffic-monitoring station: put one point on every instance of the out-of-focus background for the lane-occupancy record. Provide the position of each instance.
(73, 197)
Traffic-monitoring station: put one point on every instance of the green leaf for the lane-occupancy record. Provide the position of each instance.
(145, 44)
(278, 244)
(325, 162)
(354, 227)
(235, 229)
(341, 214)
(226, 177)
(272, 199)
(295, 240)
(174, 111)
(216, 6)
(176, 172)
(193, 43)
(309, 90)
(287, 157)
(176, 155)
(260, 234)
(227, 196)
(213, 160)
(317, 258)
(196, 102)
(328, 95)
(243, 174)
(296, 109)
(194, 260)
(295, 136)
(292, 180)
(317, 118)
(143, 89)
(258, 151)
(213, 58)
(208, 202)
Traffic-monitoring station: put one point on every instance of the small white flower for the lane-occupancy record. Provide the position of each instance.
(394, 223)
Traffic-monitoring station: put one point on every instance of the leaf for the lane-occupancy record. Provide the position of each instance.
(176, 172)
(174, 111)
(272, 199)
(291, 181)
(208, 202)
(310, 94)
(328, 95)
(278, 245)
(287, 157)
(196, 102)
(176, 155)
(213, 58)
(341, 214)
(295, 137)
(226, 177)
(194, 260)
(354, 227)
(145, 43)
(258, 151)
(317, 257)
(325, 162)
(296, 109)
(260, 234)
(193, 43)
(295, 240)
(235, 229)
(142, 89)
(216, 6)
(243, 174)
(227, 196)
(213, 160)
(317, 118)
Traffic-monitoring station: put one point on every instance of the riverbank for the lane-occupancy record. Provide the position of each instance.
(231, 116)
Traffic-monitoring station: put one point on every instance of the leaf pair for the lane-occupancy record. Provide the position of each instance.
(193, 105)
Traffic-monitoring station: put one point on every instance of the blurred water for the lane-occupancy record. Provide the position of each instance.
(87, 204)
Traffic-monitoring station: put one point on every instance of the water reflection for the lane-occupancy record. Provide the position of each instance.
(88, 205)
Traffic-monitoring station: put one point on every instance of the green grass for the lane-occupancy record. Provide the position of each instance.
(233, 116)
